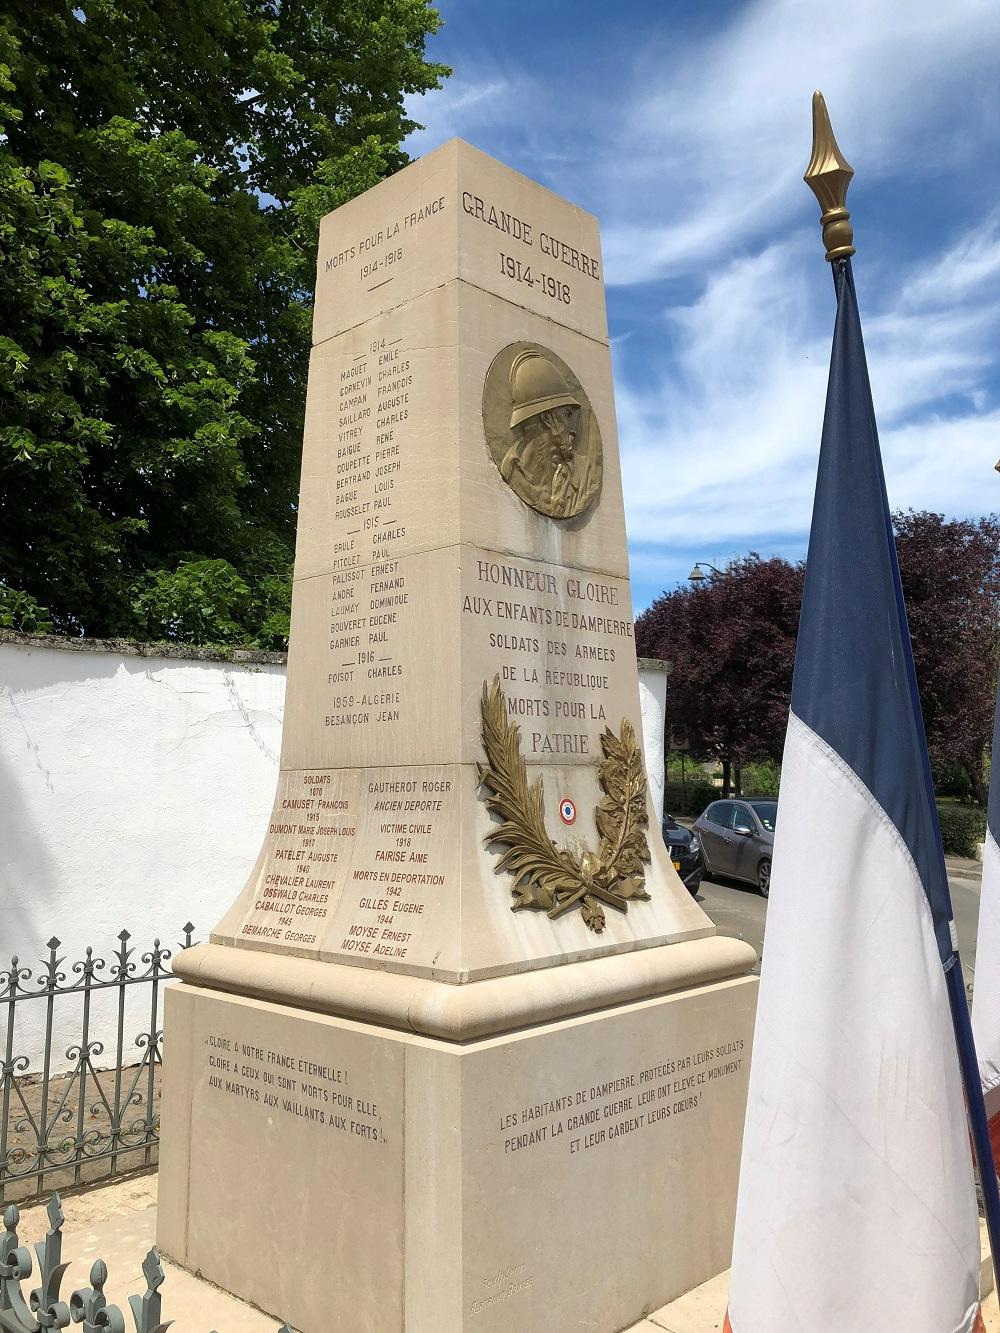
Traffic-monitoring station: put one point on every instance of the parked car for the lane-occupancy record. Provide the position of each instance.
(685, 852)
(737, 839)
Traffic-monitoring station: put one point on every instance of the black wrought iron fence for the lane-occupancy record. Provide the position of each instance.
(80, 1116)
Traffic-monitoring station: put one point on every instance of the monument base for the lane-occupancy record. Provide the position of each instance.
(341, 1175)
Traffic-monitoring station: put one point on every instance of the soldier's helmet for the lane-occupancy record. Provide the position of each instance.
(536, 386)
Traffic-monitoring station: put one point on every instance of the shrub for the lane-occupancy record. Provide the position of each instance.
(201, 602)
(689, 798)
(952, 780)
(20, 611)
(761, 779)
(962, 827)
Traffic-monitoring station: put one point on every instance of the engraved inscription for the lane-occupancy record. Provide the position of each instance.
(353, 862)
(375, 256)
(309, 845)
(500, 1286)
(558, 640)
(401, 854)
(370, 419)
(294, 1088)
(578, 1119)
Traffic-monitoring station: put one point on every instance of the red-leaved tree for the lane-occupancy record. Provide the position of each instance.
(731, 642)
(950, 571)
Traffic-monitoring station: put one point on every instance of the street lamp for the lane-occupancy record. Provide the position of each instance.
(696, 576)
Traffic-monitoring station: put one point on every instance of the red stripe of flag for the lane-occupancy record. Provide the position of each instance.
(992, 1099)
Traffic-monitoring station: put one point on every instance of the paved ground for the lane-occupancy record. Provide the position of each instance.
(63, 1125)
(739, 910)
(703, 1310)
(118, 1223)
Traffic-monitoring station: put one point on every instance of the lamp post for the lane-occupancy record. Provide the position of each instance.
(696, 576)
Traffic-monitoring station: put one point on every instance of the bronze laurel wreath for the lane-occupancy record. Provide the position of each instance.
(545, 876)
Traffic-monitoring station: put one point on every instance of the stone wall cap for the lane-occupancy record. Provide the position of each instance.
(655, 664)
(132, 648)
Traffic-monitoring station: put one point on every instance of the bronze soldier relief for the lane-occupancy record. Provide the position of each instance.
(541, 431)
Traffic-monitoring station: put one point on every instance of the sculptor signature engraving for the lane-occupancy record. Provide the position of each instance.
(547, 877)
(541, 431)
(501, 1286)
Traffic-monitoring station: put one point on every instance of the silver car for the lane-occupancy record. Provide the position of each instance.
(737, 839)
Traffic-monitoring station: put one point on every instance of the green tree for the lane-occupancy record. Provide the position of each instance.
(163, 168)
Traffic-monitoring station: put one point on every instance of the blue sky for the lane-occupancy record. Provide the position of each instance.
(685, 125)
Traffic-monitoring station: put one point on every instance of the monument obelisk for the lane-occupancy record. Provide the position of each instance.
(464, 1036)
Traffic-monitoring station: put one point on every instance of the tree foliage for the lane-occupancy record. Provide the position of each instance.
(163, 168)
(732, 644)
(950, 571)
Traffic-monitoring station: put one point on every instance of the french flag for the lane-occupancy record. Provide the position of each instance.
(986, 1000)
(857, 1204)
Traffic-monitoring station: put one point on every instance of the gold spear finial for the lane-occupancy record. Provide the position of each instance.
(828, 175)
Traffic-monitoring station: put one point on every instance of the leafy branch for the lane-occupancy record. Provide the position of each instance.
(546, 877)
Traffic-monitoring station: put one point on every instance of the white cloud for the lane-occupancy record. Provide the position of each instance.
(462, 107)
(719, 136)
(711, 442)
(720, 428)
(693, 157)
(944, 464)
(720, 438)
(958, 275)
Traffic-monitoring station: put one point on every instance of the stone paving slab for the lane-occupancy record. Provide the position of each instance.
(703, 1309)
(684, 1316)
(194, 1306)
(118, 1224)
(120, 1228)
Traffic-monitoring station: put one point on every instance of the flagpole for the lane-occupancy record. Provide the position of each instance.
(975, 1104)
(828, 176)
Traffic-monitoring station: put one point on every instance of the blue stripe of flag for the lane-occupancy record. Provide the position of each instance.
(854, 682)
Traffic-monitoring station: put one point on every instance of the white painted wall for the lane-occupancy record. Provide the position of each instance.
(134, 792)
(653, 704)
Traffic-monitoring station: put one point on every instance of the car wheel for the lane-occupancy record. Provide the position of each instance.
(764, 878)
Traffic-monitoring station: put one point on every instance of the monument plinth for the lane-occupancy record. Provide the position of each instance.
(463, 1016)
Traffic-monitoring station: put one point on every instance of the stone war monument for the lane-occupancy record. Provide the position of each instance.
(464, 1053)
